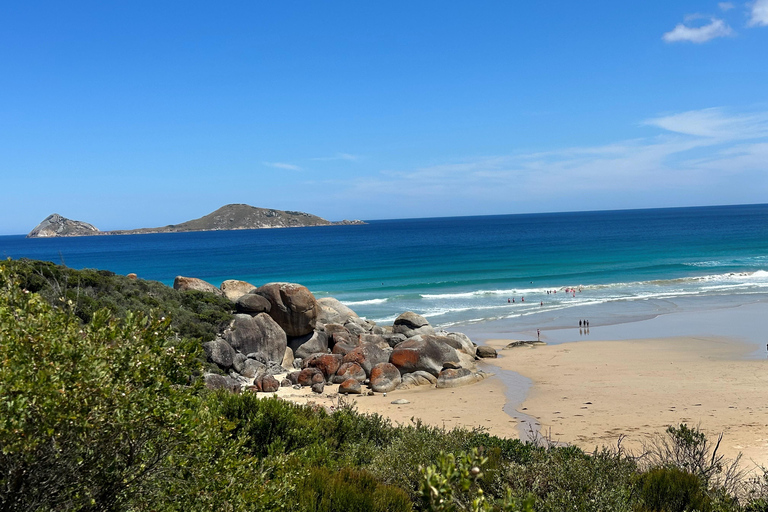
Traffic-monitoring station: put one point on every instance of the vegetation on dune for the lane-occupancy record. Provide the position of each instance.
(98, 412)
(193, 314)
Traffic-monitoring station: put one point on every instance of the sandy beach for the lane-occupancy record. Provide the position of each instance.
(589, 393)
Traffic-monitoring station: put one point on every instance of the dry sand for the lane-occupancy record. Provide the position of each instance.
(588, 393)
(477, 405)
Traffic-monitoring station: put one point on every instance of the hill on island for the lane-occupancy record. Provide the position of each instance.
(229, 217)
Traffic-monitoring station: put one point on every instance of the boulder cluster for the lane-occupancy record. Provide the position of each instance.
(282, 329)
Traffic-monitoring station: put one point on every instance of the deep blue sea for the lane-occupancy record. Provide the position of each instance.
(465, 271)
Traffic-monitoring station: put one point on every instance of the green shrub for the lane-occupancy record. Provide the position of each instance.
(348, 490)
(670, 489)
(566, 478)
(193, 314)
(89, 413)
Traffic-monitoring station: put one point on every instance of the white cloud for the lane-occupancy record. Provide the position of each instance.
(759, 14)
(714, 123)
(281, 165)
(716, 28)
(725, 6)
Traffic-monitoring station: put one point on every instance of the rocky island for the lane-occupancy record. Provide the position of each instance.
(229, 217)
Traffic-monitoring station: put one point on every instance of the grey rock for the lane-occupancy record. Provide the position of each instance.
(318, 387)
(287, 362)
(367, 356)
(486, 352)
(394, 339)
(461, 343)
(56, 225)
(376, 339)
(410, 324)
(355, 329)
(239, 362)
(182, 283)
(311, 343)
(385, 377)
(349, 371)
(331, 329)
(450, 378)
(218, 351)
(214, 381)
(252, 304)
(251, 367)
(259, 334)
(350, 387)
(417, 379)
(333, 311)
(423, 354)
(293, 307)
(234, 289)
(400, 401)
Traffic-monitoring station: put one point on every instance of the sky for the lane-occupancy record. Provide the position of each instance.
(142, 114)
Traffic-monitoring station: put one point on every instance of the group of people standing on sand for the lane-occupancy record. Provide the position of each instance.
(583, 323)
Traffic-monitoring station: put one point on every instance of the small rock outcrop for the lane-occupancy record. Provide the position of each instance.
(451, 378)
(486, 352)
(280, 326)
(182, 283)
(56, 225)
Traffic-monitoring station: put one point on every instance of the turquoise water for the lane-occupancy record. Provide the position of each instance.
(462, 271)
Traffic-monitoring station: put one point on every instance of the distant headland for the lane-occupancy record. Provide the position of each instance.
(229, 217)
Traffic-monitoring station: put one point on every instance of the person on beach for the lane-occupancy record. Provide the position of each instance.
(579, 323)
(538, 334)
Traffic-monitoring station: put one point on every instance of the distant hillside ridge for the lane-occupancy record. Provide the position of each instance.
(229, 217)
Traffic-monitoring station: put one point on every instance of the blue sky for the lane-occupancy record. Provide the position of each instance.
(137, 114)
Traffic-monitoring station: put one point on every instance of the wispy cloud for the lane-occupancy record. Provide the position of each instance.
(714, 123)
(725, 6)
(714, 29)
(759, 14)
(281, 165)
(697, 155)
(338, 156)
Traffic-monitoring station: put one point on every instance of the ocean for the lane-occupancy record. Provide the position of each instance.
(463, 273)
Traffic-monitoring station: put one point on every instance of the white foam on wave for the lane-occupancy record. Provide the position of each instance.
(365, 302)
